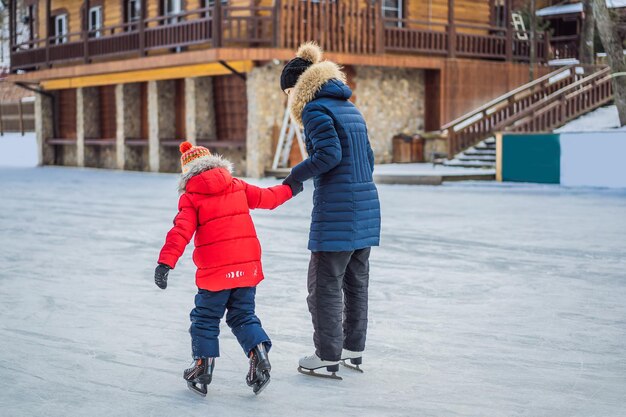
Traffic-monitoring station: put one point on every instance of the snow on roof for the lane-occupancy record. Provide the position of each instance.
(576, 8)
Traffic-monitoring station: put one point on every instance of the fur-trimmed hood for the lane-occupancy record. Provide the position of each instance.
(310, 84)
(209, 185)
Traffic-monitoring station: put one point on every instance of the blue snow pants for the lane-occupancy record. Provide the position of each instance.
(210, 308)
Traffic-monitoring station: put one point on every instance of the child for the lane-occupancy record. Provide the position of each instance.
(216, 207)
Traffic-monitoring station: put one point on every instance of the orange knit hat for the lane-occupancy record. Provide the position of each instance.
(191, 153)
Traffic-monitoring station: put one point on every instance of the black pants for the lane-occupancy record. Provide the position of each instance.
(338, 283)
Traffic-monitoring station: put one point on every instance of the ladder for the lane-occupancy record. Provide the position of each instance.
(519, 26)
(288, 131)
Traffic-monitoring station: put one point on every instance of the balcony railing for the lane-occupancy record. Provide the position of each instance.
(346, 26)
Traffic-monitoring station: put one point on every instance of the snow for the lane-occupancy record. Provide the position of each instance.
(485, 300)
(17, 150)
(604, 118)
(575, 8)
(427, 169)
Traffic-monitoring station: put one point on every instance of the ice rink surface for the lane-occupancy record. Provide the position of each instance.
(485, 300)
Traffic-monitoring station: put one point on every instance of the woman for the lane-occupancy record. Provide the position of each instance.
(346, 211)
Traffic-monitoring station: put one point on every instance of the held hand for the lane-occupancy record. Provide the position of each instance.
(160, 276)
(296, 186)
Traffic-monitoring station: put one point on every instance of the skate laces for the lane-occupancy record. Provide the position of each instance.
(253, 361)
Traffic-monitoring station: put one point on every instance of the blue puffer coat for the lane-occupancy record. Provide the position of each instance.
(346, 210)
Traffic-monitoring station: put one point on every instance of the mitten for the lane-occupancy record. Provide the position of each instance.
(296, 186)
(160, 276)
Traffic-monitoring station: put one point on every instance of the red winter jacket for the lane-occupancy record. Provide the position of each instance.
(216, 207)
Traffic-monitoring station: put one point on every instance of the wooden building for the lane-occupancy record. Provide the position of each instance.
(565, 20)
(123, 81)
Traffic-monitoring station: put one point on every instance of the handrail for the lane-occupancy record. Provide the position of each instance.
(505, 97)
(599, 75)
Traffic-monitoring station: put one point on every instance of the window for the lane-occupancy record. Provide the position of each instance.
(392, 9)
(95, 21)
(132, 11)
(172, 8)
(60, 29)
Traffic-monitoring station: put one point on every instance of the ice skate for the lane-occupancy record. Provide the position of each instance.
(355, 358)
(200, 375)
(259, 374)
(309, 364)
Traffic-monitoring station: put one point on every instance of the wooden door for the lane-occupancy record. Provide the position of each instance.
(231, 108)
(108, 123)
(66, 113)
(179, 111)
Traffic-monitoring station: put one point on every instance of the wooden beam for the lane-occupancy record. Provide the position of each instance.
(142, 26)
(199, 70)
(221, 54)
(86, 33)
(47, 34)
(509, 30)
(451, 30)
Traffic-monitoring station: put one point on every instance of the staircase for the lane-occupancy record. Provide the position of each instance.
(482, 155)
(539, 106)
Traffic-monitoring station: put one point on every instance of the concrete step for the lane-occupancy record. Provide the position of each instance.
(485, 147)
(480, 152)
(470, 164)
(486, 158)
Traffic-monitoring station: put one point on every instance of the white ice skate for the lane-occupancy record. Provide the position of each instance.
(355, 358)
(309, 364)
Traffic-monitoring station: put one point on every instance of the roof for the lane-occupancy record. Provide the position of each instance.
(575, 8)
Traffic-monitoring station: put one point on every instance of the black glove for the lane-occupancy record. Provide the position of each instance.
(296, 186)
(160, 276)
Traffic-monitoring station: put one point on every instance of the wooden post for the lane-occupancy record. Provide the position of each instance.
(47, 37)
(12, 25)
(277, 9)
(217, 24)
(509, 31)
(546, 39)
(533, 40)
(86, 34)
(21, 114)
(451, 30)
(142, 23)
(379, 27)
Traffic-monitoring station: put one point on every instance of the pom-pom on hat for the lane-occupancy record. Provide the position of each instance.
(190, 154)
(309, 53)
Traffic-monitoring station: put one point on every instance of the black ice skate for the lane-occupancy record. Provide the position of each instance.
(259, 374)
(200, 375)
(309, 364)
(355, 358)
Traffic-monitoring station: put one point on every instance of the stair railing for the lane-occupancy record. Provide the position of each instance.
(479, 124)
(565, 104)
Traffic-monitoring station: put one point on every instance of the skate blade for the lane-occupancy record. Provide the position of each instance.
(261, 386)
(311, 372)
(353, 367)
(200, 390)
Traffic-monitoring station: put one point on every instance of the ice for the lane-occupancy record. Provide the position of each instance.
(485, 300)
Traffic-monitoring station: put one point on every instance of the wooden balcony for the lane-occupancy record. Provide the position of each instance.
(345, 27)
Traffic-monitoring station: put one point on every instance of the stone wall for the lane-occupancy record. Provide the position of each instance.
(44, 128)
(266, 107)
(392, 102)
(128, 108)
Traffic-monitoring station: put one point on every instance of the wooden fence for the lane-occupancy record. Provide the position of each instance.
(17, 116)
(568, 103)
(347, 27)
